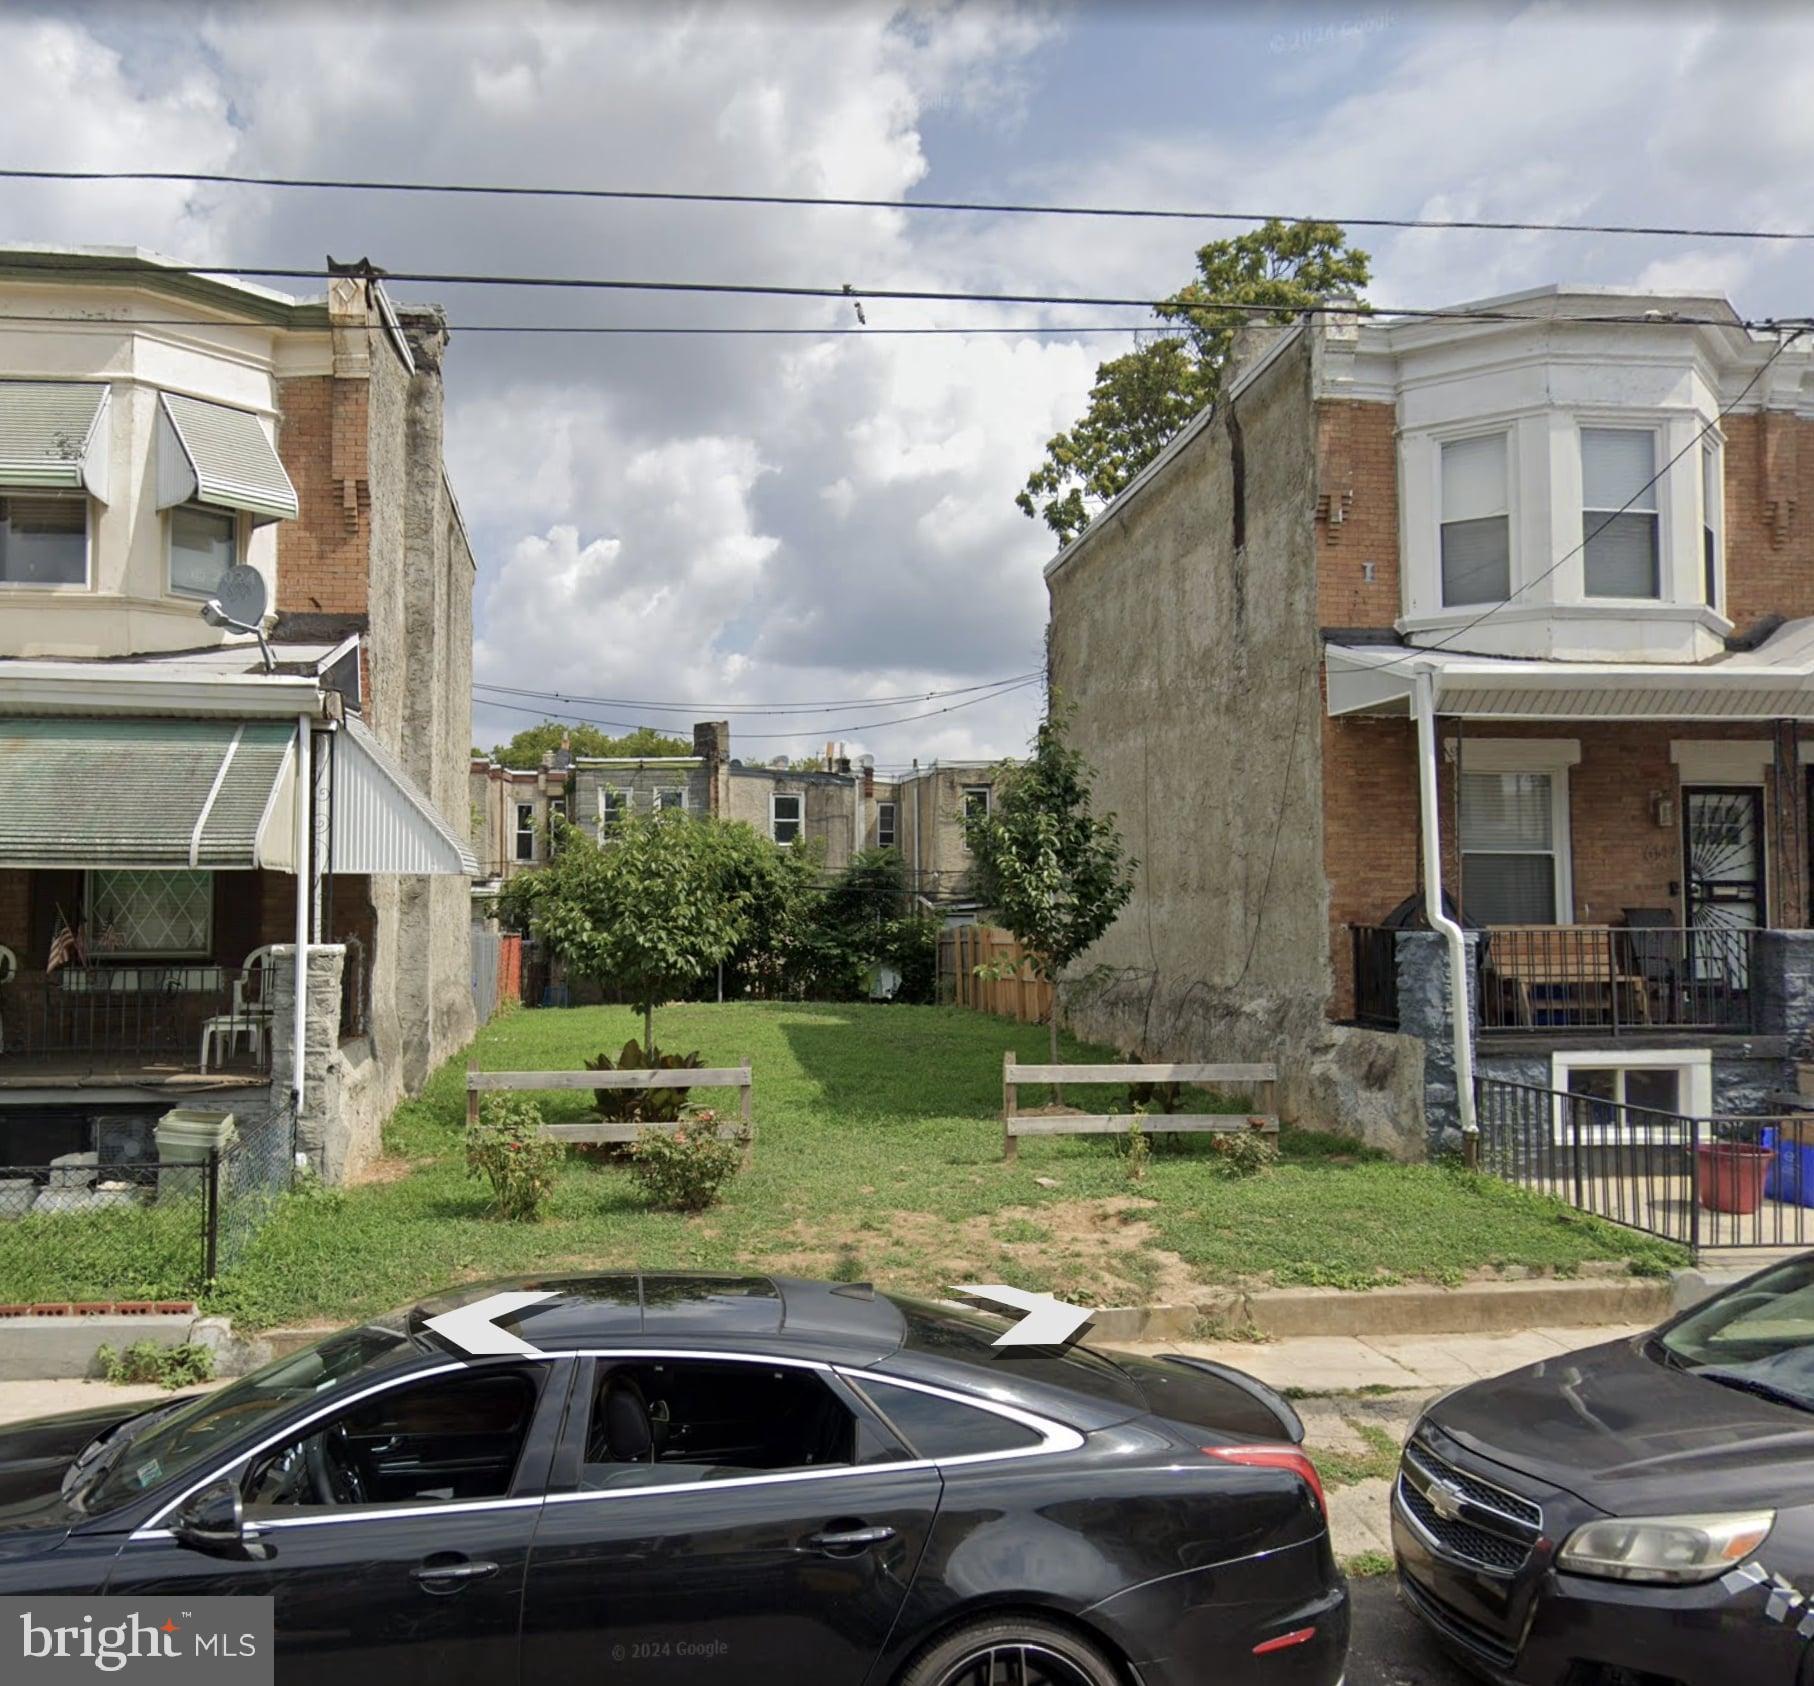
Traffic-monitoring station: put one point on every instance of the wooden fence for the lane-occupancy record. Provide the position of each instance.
(597, 1130)
(1017, 994)
(1260, 1080)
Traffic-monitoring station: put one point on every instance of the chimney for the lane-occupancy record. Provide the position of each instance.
(844, 764)
(869, 779)
(712, 744)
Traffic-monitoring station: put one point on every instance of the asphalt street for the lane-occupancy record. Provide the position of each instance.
(1389, 1645)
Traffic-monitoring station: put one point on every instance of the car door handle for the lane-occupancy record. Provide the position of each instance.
(837, 1540)
(450, 1574)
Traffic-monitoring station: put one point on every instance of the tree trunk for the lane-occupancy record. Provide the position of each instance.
(648, 1031)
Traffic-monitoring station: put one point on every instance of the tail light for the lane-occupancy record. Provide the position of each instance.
(1276, 1457)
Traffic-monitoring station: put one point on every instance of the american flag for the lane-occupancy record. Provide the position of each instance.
(65, 947)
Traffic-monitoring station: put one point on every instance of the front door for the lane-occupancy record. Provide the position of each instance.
(724, 1520)
(393, 1537)
(1724, 890)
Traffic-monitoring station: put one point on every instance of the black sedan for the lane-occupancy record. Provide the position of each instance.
(1636, 1514)
(680, 1479)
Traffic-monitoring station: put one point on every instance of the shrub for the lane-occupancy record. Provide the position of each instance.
(169, 1367)
(684, 1169)
(643, 1106)
(506, 1146)
(1139, 1150)
(1245, 1153)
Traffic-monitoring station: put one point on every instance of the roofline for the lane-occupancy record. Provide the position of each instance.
(50, 687)
(639, 761)
(130, 266)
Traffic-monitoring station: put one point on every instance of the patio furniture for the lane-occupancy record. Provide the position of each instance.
(1568, 974)
(250, 1018)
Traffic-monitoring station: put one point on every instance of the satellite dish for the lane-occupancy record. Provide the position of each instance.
(242, 596)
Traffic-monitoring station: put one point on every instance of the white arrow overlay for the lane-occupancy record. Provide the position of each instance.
(1046, 1321)
(474, 1328)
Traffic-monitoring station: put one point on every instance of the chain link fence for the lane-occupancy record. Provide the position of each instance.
(79, 1232)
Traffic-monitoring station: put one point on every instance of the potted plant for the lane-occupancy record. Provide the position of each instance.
(1732, 1168)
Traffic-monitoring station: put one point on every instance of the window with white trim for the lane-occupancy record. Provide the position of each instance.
(203, 544)
(1618, 1089)
(43, 539)
(1513, 826)
(1712, 512)
(976, 801)
(885, 825)
(785, 817)
(149, 915)
(525, 831)
(1476, 539)
(613, 804)
(673, 800)
(1620, 525)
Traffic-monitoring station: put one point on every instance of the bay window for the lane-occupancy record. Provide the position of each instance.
(1619, 520)
(1476, 521)
(204, 544)
(43, 539)
(1712, 511)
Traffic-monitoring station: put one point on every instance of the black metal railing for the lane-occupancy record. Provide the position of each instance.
(1617, 980)
(143, 1230)
(1375, 976)
(1703, 1183)
(204, 1016)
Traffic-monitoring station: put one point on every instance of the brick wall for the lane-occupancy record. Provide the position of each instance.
(1769, 501)
(324, 556)
(1357, 479)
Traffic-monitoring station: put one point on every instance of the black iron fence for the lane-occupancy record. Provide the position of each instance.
(208, 1017)
(80, 1231)
(1375, 976)
(1704, 1183)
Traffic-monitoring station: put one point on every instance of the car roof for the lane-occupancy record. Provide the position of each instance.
(846, 1321)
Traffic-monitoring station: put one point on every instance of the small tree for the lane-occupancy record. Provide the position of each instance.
(1053, 871)
(650, 910)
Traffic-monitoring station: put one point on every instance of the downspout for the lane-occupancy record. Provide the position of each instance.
(305, 837)
(1424, 703)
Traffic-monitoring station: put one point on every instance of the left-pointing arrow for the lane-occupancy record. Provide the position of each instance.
(474, 1328)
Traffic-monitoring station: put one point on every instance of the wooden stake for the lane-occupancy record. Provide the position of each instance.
(1010, 1145)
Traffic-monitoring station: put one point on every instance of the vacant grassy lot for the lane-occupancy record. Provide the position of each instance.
(879, 1156)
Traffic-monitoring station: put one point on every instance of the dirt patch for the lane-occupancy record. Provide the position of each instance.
(387, 1168)
(1098, 1252)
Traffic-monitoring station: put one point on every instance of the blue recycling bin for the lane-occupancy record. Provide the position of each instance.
(1790, 1178)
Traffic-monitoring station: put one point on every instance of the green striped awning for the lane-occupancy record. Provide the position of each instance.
(146, 793)
(54, 434)
(212, 453)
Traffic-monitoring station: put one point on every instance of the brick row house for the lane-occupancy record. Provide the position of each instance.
(185, 806)
(1517, 598)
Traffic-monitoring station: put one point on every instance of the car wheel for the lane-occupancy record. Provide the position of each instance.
(1012, 1651)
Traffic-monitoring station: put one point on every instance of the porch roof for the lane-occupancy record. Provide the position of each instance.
(383, 823)
(1773, 682)
(146, 793)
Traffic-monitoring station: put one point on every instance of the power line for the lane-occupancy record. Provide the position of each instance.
(218, 178)
(806, 731)
(1587, 538)
(698, 708)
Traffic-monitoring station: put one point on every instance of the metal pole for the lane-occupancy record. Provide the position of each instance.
(1424, 693)
(304, 839)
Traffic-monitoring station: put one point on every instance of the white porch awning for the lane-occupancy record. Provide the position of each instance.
(1773, 682)
(382, 822)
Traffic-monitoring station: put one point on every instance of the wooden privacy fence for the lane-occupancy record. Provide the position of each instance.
(1017, 995)
(596, 1130)
(1261, 1080)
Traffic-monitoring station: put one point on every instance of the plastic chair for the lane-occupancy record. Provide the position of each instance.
(249, 1018)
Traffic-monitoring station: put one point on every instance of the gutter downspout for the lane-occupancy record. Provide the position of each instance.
(305, 836)
(1423, 696)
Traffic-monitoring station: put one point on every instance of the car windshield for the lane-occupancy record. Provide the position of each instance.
(1758, 1336)
(160, 1446)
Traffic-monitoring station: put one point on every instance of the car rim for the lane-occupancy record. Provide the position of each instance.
(1014, 1665)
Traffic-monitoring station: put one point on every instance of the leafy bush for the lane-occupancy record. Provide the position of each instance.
(507, 1147)
(643, 1106)
(145, 1362)
(1245, 1153)
(684, 1169)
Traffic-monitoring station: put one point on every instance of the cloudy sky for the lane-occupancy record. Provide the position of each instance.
(757, 521)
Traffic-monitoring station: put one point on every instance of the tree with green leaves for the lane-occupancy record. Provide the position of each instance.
(528, 747)
(1053, 871)
(650, 911)
(1141, 400)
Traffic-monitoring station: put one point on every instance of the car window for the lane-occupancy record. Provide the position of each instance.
(671, 1421)
(936, 1427)
(447, 1438)
(1761, 1331)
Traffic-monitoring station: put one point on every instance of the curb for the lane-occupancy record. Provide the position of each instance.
(1413, 1309)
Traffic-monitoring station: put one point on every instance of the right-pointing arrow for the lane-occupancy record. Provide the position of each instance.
(1047, 1321)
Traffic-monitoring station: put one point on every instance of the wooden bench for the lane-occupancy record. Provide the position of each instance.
(1564, 961)
(1262, 1080)
(597, 1130)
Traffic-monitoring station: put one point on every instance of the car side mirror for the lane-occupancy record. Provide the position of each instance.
(213, 1520)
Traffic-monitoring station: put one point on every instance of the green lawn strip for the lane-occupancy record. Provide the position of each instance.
(1344, 1469)
(878, 1155)
(1365, 1564)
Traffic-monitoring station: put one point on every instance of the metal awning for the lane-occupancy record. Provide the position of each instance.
(53, 434)
(214, 454)
(382, 822)
(1773, 682)
(147, 793)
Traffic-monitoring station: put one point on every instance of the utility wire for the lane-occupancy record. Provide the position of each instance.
(758, 708)
(219, 178)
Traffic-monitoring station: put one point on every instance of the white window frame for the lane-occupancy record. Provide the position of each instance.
(87, 581)
(986, 792)
(1713, 514)
(1663, 471)
(1693, 1068)
(798, 822)
(1507, 437)
(678, 791)
(232, 516)
(887, 831)
(605, 793)
(523, 831)
(1551, 756)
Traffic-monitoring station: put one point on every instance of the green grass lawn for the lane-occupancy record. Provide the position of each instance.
(879, 1157)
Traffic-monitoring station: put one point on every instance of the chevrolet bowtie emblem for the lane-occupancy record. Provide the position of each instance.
(1444, 1500)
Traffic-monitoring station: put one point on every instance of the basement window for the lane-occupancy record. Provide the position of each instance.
(1607, 1091)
